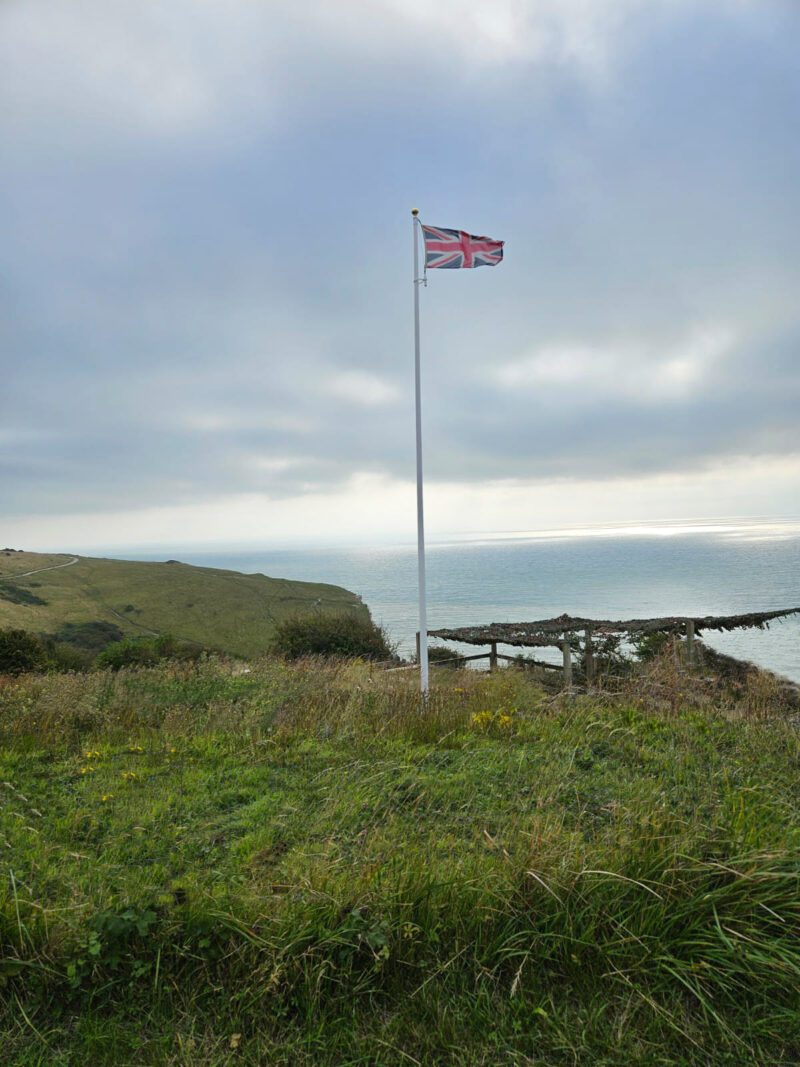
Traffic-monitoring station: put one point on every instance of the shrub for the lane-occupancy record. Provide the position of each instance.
(91, 637)
(18, 595)
(342, 636)
(438, 654)
(63, 656)
(147, 651)
(649, 646)
(609, 658)
(21, 651)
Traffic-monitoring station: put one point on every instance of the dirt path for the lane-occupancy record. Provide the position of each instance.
(130, 622)
(27, 574)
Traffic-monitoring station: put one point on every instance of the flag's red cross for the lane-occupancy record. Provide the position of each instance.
(454, 248)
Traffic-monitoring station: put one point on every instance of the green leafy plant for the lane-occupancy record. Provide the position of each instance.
(439, 655)
(62, 656)
(147, 652)
(90, 637)
(21, 651)
(341, 636)
(608, 654)
(113, 943)
(650, 645)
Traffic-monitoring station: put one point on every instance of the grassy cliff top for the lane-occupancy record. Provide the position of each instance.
(299, 865)
(91, 601)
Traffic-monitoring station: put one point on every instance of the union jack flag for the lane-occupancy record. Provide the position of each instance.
(452, 249)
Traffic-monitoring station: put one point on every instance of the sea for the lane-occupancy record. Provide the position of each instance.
(718, 568)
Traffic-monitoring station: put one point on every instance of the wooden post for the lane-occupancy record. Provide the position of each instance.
(417, 646)
(493, 656)
(690, 642)
(567, 663)
(589, 657)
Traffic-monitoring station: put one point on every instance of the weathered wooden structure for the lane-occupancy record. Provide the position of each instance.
(567, 632)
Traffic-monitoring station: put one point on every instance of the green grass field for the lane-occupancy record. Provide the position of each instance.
(297, 865)
(223, 610)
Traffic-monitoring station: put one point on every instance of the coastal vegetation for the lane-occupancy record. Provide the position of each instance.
(88, 604)
(338, 636)
(297, 863)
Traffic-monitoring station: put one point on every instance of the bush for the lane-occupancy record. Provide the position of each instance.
(342, 636)
(93, 637)
(18, 595)
(609, 658)
(649, 646)
(21, 651)
(147, 651)
(64, 657)
(438, 654)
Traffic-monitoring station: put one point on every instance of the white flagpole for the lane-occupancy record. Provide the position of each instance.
(423, 618)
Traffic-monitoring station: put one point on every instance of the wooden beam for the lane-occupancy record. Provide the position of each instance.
(567, 655)
(547, 632)
(589, 656)
(530, 662)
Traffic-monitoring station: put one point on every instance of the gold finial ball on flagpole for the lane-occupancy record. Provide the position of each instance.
(415, 211)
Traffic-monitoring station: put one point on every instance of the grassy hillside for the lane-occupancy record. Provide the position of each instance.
(297, 865)
(91, 601)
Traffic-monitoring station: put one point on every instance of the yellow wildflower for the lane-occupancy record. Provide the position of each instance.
(488, 720)
(482, 720)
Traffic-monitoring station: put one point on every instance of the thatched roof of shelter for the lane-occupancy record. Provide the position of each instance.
(549, 632)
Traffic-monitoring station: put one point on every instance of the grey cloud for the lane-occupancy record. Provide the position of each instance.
(180, 291)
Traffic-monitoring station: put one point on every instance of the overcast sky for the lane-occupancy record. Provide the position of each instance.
(205, 266)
